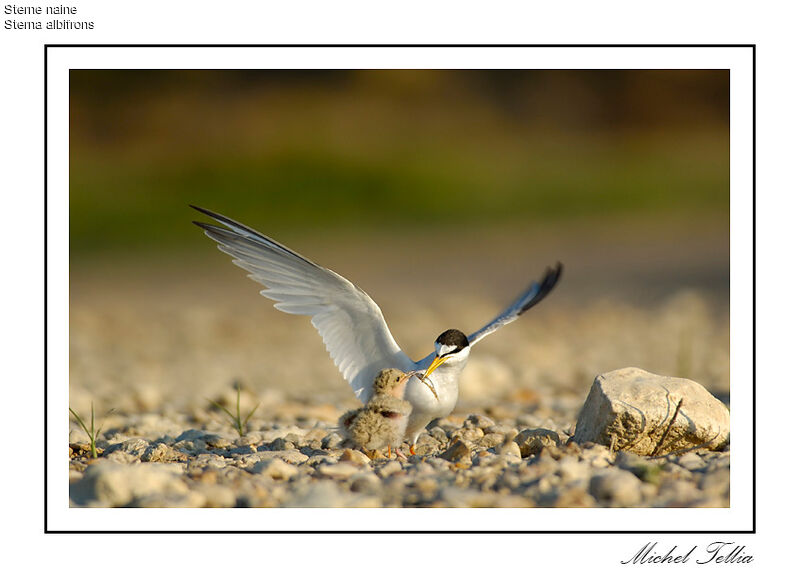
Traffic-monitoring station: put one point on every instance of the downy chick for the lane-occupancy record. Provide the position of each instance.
(382, 421)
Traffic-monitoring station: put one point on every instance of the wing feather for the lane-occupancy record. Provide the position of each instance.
(533, 295)
(350, 322)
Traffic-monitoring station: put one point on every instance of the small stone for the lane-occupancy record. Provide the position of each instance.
(532, 441)
(427, 444)
(216, 441)
(250, 439)
(331, 441)
(389, 468)
(619, 487)
(691, 461)
(120, 457)
(339, 471)
(162, 453)
(316, 434)
(280, 444)
(133, 446)
(193, 446)
(470, 434)
(677, 494)
(191, 434)
(289, 456)
(367, 483)
(427, 487)
(478, 421)
(323, 494)
(438, 434)
(491, 440)
(509, 448)
(275, 468)
(354, 457)
(572, 470)
(457, 452)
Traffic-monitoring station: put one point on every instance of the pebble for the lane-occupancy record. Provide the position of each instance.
(510, 448)
(532, 441)
(355, 457)
(339, 471)
(457, 452)
(478, 421)
(491, 440)
(619, 487)
(691, 461)
(161, 452)
(471, 434)
(389, 468)
(331, 441)
(134, 446)
(275, 468)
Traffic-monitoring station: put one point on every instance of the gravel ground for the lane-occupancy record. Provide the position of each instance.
(155, 461)
(158, 346)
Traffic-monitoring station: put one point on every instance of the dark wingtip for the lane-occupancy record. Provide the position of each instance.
(202, 225)
(211, 214)
(546, 285)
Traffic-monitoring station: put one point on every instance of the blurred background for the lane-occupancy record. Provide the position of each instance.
(442, 193)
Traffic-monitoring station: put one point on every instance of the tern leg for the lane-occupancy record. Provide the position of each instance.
(412, 449)
(390, 451)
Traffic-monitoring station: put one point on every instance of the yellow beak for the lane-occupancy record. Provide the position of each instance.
(437, 361)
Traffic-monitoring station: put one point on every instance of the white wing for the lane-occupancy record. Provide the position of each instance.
(535, 293)
(350, 323)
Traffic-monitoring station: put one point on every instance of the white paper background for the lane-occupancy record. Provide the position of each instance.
(411, 22)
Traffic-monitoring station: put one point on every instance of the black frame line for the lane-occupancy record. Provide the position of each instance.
(725, 531)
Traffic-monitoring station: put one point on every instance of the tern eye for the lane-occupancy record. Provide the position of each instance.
(397, 379)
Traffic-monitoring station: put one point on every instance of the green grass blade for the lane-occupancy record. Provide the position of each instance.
(80, 422)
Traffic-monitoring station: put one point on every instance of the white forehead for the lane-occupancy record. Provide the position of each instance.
(444, 349)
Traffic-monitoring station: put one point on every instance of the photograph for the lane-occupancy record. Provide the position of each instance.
(399, 288)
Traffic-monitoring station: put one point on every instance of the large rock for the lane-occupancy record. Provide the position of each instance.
(630, 409)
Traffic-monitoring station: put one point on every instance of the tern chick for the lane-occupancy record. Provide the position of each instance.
(383, 420)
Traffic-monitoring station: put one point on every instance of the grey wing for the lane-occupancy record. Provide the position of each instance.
(535, 293)
(350, 323)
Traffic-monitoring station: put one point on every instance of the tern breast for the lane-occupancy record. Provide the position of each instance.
(425, 406)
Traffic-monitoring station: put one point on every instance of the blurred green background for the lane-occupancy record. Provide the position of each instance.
(294, 152)
(442, 193)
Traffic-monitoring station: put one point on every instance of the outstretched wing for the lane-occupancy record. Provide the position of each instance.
(531, 297)
(350, 323)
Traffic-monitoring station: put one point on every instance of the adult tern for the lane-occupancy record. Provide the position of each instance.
(351, 323)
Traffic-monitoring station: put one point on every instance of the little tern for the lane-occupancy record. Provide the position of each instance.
(352, 325)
